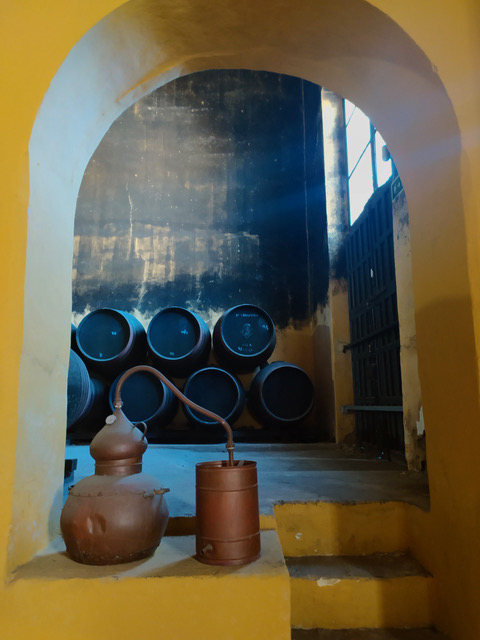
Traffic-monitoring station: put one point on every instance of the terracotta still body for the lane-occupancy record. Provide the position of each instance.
(119, 514)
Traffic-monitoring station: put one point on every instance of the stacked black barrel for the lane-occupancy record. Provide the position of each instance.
(178, 343)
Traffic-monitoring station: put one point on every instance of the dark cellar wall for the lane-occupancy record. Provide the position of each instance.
(207, 193)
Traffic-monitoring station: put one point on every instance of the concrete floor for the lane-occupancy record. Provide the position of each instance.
(286, 472)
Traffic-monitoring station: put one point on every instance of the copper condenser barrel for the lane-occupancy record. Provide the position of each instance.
(228, 522)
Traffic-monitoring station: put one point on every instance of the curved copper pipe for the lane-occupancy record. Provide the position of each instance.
(143, 367)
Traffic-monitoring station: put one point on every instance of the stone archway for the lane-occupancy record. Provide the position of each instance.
(349, 47)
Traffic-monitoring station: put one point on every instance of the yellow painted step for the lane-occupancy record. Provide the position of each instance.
(367, 634)
(345, 592)
(331, 528)
(167, 596)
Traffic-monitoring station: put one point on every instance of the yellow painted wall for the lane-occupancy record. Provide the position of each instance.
(412, 67)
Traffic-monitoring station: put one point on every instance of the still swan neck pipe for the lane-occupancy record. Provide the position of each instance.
(193, 405)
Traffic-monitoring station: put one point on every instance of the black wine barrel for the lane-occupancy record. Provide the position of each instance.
(216, 390)
(87, 401)
(146, 399)
(73, 336)
(179, 341)
(79, 389)
(244, 338)
(111, 341)
(281, 394)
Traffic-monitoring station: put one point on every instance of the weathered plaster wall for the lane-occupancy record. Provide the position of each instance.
(207, 193)
(389, 58)
(336, 323)
(412, 393)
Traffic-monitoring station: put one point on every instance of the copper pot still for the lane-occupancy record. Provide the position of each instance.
(119, 514)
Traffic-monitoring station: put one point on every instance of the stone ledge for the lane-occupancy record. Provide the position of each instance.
(169, 595)
(173, 558)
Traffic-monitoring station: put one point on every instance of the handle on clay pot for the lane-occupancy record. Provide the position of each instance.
(145, 428)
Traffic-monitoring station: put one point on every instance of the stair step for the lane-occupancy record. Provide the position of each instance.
(375, 565)
(380, 590)
(330, 528)
(367, 634)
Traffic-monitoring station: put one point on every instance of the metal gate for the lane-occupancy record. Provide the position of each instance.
(374, 332)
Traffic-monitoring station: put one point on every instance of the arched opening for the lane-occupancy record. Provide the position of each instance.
(196, 195)
(209, 193)
(360, 54)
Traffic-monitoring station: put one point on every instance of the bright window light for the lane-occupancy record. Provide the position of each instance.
(366, 168)
(358, 139)
(360, 186)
